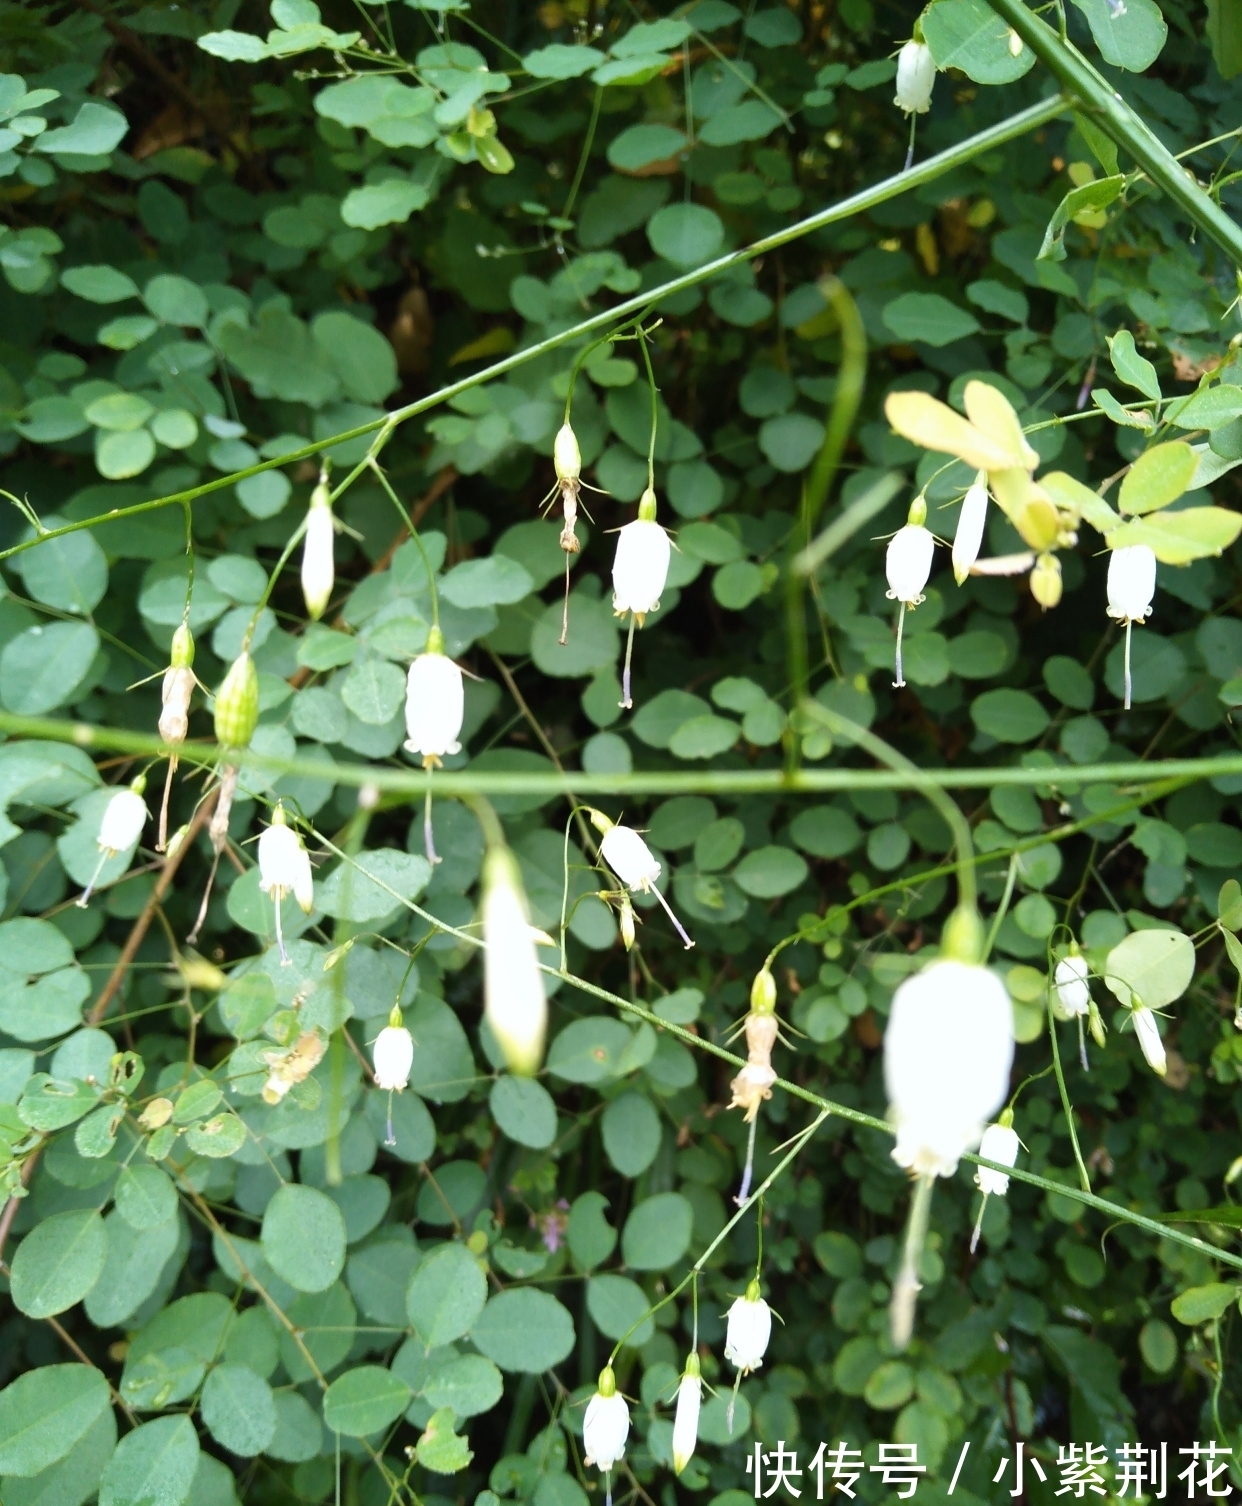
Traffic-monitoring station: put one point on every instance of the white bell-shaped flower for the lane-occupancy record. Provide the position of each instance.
(968, 539)
(318, 566)
(686, 1417)
(634, 863)
(907, 564)
(119, 829)
(1131, 587)
(948, 1049)
(514, 1003)
(747, 1330)
(1148, 1033)
(435, 704)
(606, 1425)
(916, 74)
(640, 568)
(1073, 993)
(284, 868)
(393, 1054)
(1000, 1143)
(123, 819)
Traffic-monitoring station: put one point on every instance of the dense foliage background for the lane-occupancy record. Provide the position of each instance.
(229, 236)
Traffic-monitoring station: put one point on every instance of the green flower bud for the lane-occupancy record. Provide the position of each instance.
(237, 703)
(763, 993)
(182, 656)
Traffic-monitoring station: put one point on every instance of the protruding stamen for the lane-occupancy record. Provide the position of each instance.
(626, 702)
(85, 897)
(429, 839)
(899, 682)
(1129, 625)
(668, 910)
(748, 1170)
(907, 1286)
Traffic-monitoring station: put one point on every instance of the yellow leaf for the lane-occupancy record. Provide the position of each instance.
(1038, 523)
(1176, 538)
(1079, 501)
(920, 418)
(992, 414)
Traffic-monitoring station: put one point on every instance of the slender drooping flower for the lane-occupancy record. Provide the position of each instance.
(753, 1084)
(1000, 1143)
(174, 721)
(435, 707)
(119, 830)
(514, 1003)
(284, 868)
(1072, 995)
(639, 573)
(393, 1055)
(907, 563)
(968, 539)
(748, 1329)
(1148, 1033)
(318, 567)
(605, 1427)
(916, 75)
(634, 863)
(1131, 587)
(567, 460)
(686, 1417)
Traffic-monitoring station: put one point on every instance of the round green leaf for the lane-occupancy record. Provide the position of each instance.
(1152, 967)
(99, 284)
(791, 441)
(154, 1463)
(120, 455)
(929, 318)
(134, 1267)
(657, 1232)
(686, 235)
(703, 737)
(770, 871)
(69, 573)
(619, 1309)
(46, 1412)
(638, 146)
(524, 1110)
(561, 62)
(58, 1262)
(176, 300)
(967, 34)
(468, 1383)
(1158, 1346)
(75, 1478)
(365, 1400)
(43, 667)
(304, 1237)
(524, 1330)
(631, 1132)
(1010, 716)
(446, 1295)
(593, 642)
(238, 1410)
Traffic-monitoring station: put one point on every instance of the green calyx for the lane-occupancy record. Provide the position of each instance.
(435, 641)
(181, 655)
(963, 937)
(917, 516)
(754, 1291)
(607, 1382)
(647, 506)
(321, 496)
(763, 993)
(395, 1018)
(693, 1368)
(1006, 1119)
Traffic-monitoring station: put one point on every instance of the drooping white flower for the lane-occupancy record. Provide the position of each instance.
(514, 1002)
(948, 1049)
(907, 564)
(606, 1425)
(1131, 587)
(916, 74)
(393, 1054)
(747, 1331)
(435, 704)
(318, 567)
(284, 868)
(1148, 1033)
(1000, 1143)
(968, 539)
(1073, 992)
(634, 863)
(640, 568)
(686, 1417)
(119, 829)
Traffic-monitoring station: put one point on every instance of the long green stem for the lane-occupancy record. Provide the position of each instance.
(1066, 1106)
(378, 472)
(1102, 102)
(655, 407)
(1011, 878)
(866, 199)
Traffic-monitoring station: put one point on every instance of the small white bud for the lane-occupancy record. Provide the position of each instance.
(1148, 1033)
(606, 1425)
(1131, 582)
(435, 704)
(318, 566)
(916, 75)
(640, 568)
(748, 1329)
(1000, 1143)
(393, 1054)
(686, 1417)
(968, 539)
(123, 819)
(514, 1002)
(1073, 992)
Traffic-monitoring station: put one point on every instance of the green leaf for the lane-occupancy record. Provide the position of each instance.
(631, 1133)
(33, 946)
(589, 1050)
(153, 1464)
(374, 690)
(58, 1262)
(1224, 32)
(1087, 198)
(1131, 368)
(561, 62)
(359, 355)
(365, 1400)
(1200, 1304)
(524, 1330)
(750, 120)
(704, 737)
(468, 1384)
(769, 872)
(1010, 716)
(687, 235)
(791, 441)
(1158, 1346)
(99, 284)
(967, 34)
(304, 1237)
(372, 885)
(145, 1197)
(1176, 538)
(590, 1236)
(524, 1110)
(44, 667)
(593, 643)
(440, 1450)
(657, 1233)
(619, 1309)
(1151, 967)
(1130, 37)
(94, 131)
(494, 581)
(1210, 408)
(929, 318)
(45, 1413)
(1229, 904)
(1159, 476)
(234, 46)
(121, 455)
(176, 300)
(391, 202)
(133, 1269)
(446, 1295)
(75, 1478)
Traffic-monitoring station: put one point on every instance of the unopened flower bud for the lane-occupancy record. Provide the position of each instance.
(318, 567)
(916, 76)
(968, 539)
(1095, 1023)
(763, 992)
(514, 1003)
(566, 456)
(237, 703)
(686, 1417)
(1046, 581)
(625, 920)
(1148, 1033)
